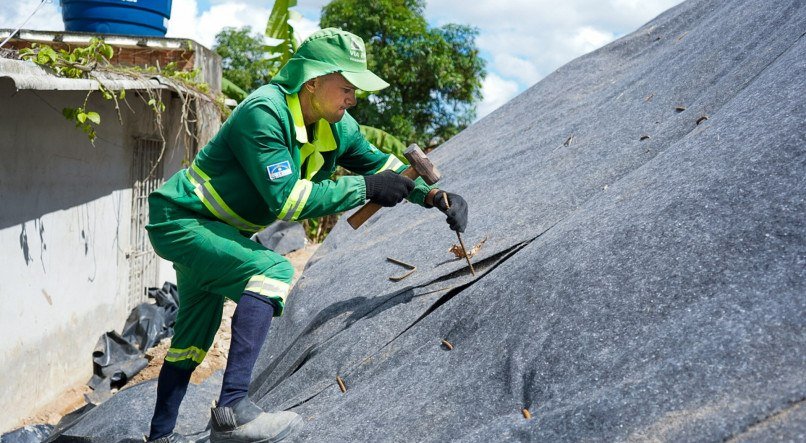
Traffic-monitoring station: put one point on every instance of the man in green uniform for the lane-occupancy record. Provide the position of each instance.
(272, 159)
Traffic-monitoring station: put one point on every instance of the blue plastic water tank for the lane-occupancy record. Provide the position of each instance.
(128, 17)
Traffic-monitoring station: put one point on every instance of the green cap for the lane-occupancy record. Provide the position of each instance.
(325, 51)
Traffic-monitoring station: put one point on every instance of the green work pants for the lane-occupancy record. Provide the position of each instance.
(213, 260)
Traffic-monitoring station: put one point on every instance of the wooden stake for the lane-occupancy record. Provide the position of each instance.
(461, 243)
(342, 387)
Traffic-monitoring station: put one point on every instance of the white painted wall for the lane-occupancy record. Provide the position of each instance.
(64, 231)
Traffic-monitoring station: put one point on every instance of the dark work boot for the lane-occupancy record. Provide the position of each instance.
(245, 422)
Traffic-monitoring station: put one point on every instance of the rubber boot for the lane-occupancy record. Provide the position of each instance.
(173, 437)
(246, 422)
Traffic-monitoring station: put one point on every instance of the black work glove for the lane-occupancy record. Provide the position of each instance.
(457, 212)
(388, 188)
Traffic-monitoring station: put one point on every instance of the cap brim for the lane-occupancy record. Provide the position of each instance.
(365, 80)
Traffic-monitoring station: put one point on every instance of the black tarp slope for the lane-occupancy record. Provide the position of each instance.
(630, 288)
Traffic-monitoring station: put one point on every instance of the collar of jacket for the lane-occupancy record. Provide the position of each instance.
(323, 140)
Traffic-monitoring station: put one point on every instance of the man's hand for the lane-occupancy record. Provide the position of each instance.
(456, 209)
(388, 188)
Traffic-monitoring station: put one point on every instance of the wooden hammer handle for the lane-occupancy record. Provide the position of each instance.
(366, 211)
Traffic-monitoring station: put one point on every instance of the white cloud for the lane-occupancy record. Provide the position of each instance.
(186, 22)
(496, 92)
(518, 68)
(183, 22)
(47, 18)
(304, 27)
(525, 40)
(587, 39)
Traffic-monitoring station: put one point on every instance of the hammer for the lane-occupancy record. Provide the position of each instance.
(421, 166)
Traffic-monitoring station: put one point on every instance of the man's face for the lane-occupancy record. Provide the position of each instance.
(332, 95)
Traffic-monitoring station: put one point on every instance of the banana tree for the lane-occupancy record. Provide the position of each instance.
(279, 29)
(384, 141)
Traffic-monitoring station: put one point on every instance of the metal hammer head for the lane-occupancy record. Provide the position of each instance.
(421, 164)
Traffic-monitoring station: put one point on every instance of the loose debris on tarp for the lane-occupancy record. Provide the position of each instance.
(569, 140)
(411, 269)
(447, 345)
(342, 386)
(457, 250)
(526, 414)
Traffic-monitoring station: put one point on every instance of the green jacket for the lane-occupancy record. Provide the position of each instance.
(261, 167)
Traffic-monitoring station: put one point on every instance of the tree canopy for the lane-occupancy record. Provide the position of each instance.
(435, 73)
(244, 59)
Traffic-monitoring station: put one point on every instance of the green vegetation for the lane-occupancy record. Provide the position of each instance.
(435, 73)
(245, 60)
(78, 63)
(87, 61)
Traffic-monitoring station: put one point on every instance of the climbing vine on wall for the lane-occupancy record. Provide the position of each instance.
(87, 62)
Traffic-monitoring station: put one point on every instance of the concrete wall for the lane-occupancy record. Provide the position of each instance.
(65, 230)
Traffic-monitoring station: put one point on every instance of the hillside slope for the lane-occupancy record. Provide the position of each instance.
(643, 275)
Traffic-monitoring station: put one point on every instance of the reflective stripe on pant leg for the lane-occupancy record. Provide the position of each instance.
(191, 353)
(272, 279)
(270, 288)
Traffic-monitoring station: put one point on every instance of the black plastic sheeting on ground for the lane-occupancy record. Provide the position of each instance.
(282, 237)
(115, 361)
(149, 323)
(27, 434)
(132, 419)
(643, 275)
(117, 358)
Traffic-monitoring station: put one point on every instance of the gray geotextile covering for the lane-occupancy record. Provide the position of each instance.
(282, 237)
(126, 416)
(644, 270)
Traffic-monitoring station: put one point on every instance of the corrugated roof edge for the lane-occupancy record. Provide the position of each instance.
(205, 59)
(112, 39)
(29, 76)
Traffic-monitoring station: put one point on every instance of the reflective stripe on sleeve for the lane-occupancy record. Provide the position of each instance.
(391, 163)
(296, 200)
(191, 353)
(214, 203)
(268, 287)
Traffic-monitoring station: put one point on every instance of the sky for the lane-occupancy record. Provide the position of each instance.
(522, 41)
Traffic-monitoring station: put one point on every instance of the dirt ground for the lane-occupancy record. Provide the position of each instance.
(73, 397)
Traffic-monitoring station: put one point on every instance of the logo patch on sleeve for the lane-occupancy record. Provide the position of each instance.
(279, 170)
